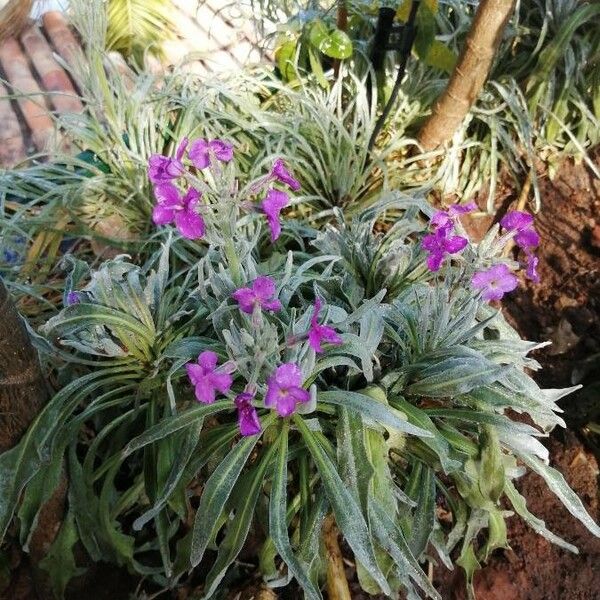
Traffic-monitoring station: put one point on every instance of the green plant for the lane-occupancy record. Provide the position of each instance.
(136, 27)
(408, 402)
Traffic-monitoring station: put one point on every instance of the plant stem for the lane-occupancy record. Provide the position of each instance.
(234, 262)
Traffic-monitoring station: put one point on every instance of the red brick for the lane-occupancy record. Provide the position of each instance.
(54, 78)
(12, 144)
(33, 105)
(61, 36)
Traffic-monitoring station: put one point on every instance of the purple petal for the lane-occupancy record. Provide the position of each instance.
(531, 271)
(454, 244)
(317, 306)
(508, 282)
(167, 195)
(516, 220)
(272, 305)
(492, 294)
(288, 375)
(162, 169)
(162, 215)
(274, 202)
(441, 219)
(191, 199)
(208, 360)
(190, 224)
(204, 391)
(280, 172)
(274, 227)
(243, 398)
(527, 238)
(221, 381)
(299, 394)
(431, 242)
(314, 340)
(73, 298)
(434, 261)
(248, 420)
(222, 150)
(245, 298)
(495, 282)
(263, 287)
(199, 154)
(181, 149)
(461, 209)
(329, 335)
(272, 392)
(286, 404)
(194, 372)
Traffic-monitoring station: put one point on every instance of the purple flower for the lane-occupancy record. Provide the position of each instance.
(521, 222)
(284, 389)
(531, 268)
(280, 172)
(272, 206)
(163, 169)
(527, 238)
(260, 294)
(495, 282)
(172, 206)
(439, 244)
(444, 219)
(202, 152)
(321, 333)
(73, 298)
(247, 416)
(516, 220)
(207, 379)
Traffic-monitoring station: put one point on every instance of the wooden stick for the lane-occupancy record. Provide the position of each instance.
(337, 584)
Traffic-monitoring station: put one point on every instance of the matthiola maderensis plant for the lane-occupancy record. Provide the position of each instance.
(239, 388)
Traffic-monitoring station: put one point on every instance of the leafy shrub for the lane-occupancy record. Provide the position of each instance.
(367, 380)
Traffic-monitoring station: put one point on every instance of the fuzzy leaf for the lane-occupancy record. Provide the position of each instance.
(347, 512)
(373, 410)
(278, 528)
(216, 493)
(556, 482)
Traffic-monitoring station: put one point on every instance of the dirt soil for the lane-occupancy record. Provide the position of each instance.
(565, 308)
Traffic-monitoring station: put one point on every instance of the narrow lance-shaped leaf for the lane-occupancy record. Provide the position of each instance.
(216, 493)
(173, 424)
(238, 527)
(376, 411)
(391, 538)
(519, 504)
(278, 519)
(348, 515)
(556, 482)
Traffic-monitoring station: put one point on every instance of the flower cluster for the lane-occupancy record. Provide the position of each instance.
(284, 387)
(174, 206)
(442, 240)
(183, 208)
(498, 279)
(525, 237)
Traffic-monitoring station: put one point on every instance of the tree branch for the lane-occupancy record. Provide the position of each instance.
(469, 75)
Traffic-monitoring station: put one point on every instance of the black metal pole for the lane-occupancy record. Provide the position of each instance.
(407, 41)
